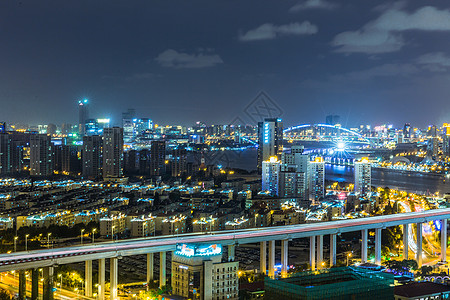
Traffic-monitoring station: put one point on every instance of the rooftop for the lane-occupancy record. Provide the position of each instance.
(417, 289)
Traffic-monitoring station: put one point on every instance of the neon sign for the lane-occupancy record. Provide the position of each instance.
(198, 250)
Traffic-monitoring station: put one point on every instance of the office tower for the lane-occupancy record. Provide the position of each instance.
(332, 119)
(363, 176)
(446, 140)
(143, 124)
(66, 128)
(432, 146)
(271, 175)
(5, 153)
(83, 115)
(157, 158)
(51, 129)
(178, 162)
(199, 273)
(112, 152)
(41, 155)
(92, 156)
(407, 131)
(91, 127)
(128, 124)
(317, 179)
(2, 127)
(432, 131)
(102, 124)
(270, 135)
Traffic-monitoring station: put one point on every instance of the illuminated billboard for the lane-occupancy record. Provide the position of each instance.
(198, 250)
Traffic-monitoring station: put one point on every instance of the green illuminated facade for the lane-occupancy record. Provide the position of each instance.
(335, 283)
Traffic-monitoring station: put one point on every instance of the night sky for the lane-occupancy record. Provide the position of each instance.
(372, 62)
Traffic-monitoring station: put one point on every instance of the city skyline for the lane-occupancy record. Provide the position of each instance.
(378, 63)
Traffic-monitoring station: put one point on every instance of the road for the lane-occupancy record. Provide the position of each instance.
(50, 257)
(10, 282)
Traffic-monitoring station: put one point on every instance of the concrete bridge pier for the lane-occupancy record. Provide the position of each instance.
(22, 285)
(405, 241)
(231, 252)
(88, 278)
(34, 284)
(150, 261)
(284, 257)
(271, 259)
(364, 237)
(48, 283)
(113, 278)
(263, 257)
(320, 263)
(312, 252)
(378, 246)
(162, 269)
(332, 250)
(101, 278)
(419, 244)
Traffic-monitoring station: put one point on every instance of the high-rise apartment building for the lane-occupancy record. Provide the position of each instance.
(363, 176)
(83, 115)
(5, 153)
(157, 158)
(41, 155)
(199, 273)
(317, 179)
(178, 162)
(92, 156)
(271, 175)
(112, 152)
(270, 135)
(294, 174)
(66, 159)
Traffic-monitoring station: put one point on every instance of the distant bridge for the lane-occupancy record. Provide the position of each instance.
(338, 130)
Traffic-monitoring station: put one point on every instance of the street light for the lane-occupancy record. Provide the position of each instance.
(15, 243)
(349, 255)
(26, 241)
(48, 239)
(82, 232)
(93, 233)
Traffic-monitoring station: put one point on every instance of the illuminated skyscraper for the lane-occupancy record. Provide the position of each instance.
(41, 155)
(5, 153)
(363, 176)
(157, 158)
(407, 131)
(92, 156)
(271, 175)
(270, 135)
(83, 115)
(446, 140)
(317, 179)
(112, 152)
(294, 174)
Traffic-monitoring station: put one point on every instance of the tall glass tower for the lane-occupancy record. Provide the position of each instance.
(83, 115)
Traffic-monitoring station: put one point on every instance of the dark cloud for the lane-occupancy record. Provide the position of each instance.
(384, 34)
(178, 60)
(313, 4)
(270, 31)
